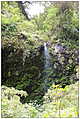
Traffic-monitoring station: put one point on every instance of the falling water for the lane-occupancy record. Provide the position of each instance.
(47, 57)
(47, 65)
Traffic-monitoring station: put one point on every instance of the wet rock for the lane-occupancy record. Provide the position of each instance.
(48, 44)
(59, 48)
(41, 48)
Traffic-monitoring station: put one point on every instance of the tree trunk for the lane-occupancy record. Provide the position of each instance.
(21, 6)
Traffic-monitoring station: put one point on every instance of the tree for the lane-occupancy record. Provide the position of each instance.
(21, 6)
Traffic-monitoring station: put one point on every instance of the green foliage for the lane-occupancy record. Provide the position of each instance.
(51, 19)
(12, 107)
(26, 26)
(61, 102)
(70, 31)
(58, 102)
(10, 13)
(23, 62)
(11, 92)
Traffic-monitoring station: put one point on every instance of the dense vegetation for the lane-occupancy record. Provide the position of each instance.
(28, 88)
(58, 102)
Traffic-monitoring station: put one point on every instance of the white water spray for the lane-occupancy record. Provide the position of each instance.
(47, 57)
(47, 65)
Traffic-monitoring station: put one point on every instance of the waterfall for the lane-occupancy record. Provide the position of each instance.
(47, 65)
(47, 57)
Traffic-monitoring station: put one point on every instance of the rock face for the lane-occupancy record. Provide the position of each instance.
(41, 48)
(59, 48)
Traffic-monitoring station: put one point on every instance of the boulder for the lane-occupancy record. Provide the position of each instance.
(59, 48)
